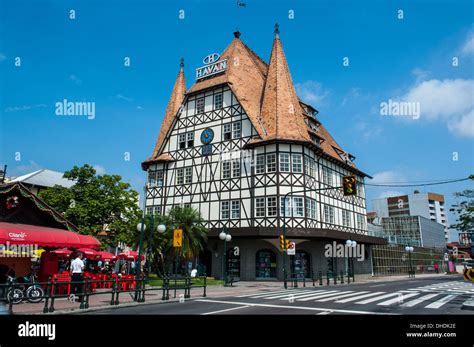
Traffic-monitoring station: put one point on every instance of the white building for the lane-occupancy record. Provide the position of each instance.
(428, 205)
(233, 145)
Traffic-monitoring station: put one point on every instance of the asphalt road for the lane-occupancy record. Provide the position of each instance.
(443, 295)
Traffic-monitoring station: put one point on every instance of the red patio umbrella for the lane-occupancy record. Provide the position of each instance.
(106, 256)
(89, 253)
(62, 252)
(129, 255)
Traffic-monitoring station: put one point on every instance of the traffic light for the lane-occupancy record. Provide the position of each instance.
(349, 185)
(282, 243)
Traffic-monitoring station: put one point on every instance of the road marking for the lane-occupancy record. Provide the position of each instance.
(293, 294)
(376, 298)
(324, 313)
(320, 296)
(442, 301)
(359, 297)
(418, 300)
(340, 296)
(228, 309)
(294, 307)
(258, 294)
(378, 285)
(398, 299)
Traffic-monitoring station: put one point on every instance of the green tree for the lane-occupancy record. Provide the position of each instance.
(97, 202)
(464, 210)
(161, 245)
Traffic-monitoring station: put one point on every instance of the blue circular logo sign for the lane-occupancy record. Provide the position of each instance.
(211, 58)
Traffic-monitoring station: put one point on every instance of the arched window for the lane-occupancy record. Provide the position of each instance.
(233, 262)
(265, 264)
(301, 264)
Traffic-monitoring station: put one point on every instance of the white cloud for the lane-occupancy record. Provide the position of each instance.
(123, 97)
(100, 170)
(463, 126)
(468, 46)
(389, 176)
(420, 75)
(311, 92)
(75, 79)
(32, 166)
(2, 57)
(447, 100)
(24, 107)
(139, 107)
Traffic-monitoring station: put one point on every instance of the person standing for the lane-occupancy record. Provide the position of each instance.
(77, 268)
(436, 267)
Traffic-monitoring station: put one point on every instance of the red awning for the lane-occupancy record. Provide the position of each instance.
(22, 234)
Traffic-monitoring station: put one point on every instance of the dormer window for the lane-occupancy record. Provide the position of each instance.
(200, 105)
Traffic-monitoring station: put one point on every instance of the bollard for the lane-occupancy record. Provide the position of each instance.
(117, 283)
(87, 293)
(312, 277)
(304, 280)
(53, 295)
(84, 290)
(320, 278)
(48, 294)
(348, 278)
(335, 277)
(342, 277)
(143, 288)
(10, 302)
(327, 278)
(168, 287)
(205, 285)
(112, 301)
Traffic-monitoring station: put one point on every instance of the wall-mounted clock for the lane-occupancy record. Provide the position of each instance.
(207, 136)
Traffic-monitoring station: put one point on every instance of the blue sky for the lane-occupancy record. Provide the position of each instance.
(82, 59)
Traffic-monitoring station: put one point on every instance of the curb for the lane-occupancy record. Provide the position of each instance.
(102, 308)
(468, 304)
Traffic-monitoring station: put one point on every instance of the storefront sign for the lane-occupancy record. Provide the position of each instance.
(212, 66)
(291, 249)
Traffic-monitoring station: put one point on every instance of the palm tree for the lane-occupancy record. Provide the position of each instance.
(194, 237)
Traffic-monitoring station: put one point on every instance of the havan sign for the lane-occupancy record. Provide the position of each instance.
(212, 66)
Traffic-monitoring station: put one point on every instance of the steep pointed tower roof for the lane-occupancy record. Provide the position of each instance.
(176, 99)
(245, 75)
(281, 110)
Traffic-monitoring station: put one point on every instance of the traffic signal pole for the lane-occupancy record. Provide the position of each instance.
(285, 253)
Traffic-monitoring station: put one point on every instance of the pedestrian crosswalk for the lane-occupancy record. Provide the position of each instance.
(430, 297)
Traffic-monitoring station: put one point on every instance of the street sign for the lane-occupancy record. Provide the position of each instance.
(178, 238)
(469, 274)
(291, 249)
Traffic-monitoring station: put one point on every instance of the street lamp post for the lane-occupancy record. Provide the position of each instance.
(350, 269)
(141, 227)
(410, 250)
(226, 237)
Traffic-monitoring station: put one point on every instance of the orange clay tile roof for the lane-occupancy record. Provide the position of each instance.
(266, 92)
(176, 99)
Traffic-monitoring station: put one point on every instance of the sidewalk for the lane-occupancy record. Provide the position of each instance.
(102, 301)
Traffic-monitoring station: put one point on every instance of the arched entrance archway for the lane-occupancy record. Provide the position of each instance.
(301, 264)
(265, 264)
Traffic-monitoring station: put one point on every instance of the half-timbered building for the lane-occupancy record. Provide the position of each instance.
(233, 146)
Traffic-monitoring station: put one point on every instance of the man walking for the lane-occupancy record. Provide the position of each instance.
(77, 267)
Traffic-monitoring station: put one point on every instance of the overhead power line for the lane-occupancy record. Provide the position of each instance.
(417, 184)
